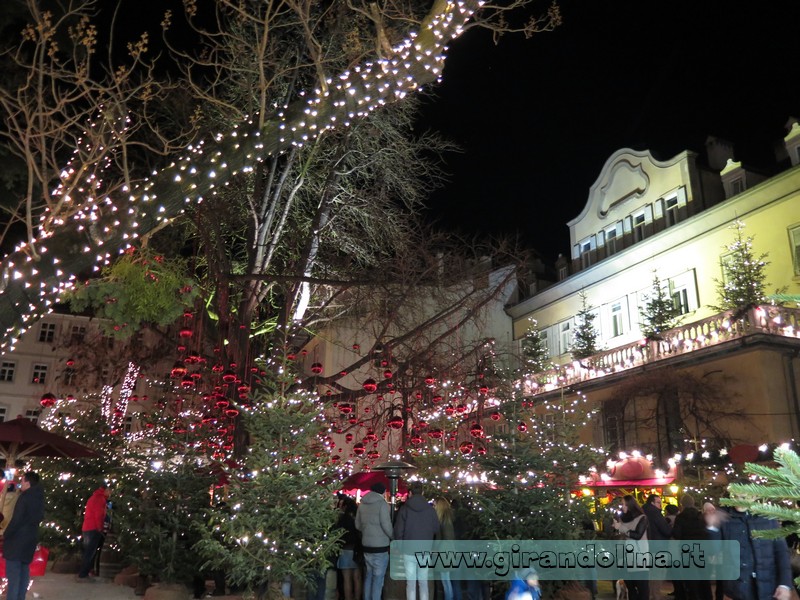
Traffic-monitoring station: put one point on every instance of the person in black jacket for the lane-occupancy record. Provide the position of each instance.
(690, 525)
(765, 570)
(22, 535)
(657, 529)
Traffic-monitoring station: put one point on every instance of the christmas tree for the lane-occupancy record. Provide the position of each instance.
(535, 357)
(659, 312)
(775, 497)
(745, 280)
(584, 340)
(276, 523)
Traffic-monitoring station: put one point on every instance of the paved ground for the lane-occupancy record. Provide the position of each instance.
(58, 586)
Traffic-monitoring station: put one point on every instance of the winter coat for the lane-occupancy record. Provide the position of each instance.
(95, 514)
(657, 526)
(636, 531)
(375, 523)
(690, 525)
(22, 534)
(768, 559)
(416, 520)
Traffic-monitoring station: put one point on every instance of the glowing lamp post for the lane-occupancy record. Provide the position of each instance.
(393, 469)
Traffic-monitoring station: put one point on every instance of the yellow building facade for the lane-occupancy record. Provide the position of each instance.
(716, 380)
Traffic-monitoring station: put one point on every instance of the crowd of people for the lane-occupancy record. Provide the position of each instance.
(765, 570)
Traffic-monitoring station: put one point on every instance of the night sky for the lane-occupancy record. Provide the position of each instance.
(538, 118)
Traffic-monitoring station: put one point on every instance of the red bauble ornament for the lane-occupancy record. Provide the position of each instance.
(450, 410)
(187, 381)
(430, 380)
(484, 389)
(495, 416)
(396, 422)
(436, 433)
(461, 408)
(316, 368)
(476, 430)
(229, 376)
(348, 438)
(387, 374)
(47, 400)
(522, 427)
(416, 439)
(466, 447)
(436, 399)
(359, 449)
(185, 333)
(178, 370)
(370, 385)
(370, 437)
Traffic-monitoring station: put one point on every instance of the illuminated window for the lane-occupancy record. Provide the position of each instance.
(69, 376)
(562, 272)
(617, 327)
(32, 414)
(565, 336)
(7, 370)
(794, 241)
(39, 374)
(3, 413)
(680, 300)
(614, 431)
(47, 332)
(586, 255)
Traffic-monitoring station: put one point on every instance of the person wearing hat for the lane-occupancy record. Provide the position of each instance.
(374, 522)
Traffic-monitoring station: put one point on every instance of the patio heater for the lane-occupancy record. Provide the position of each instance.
(393, 469)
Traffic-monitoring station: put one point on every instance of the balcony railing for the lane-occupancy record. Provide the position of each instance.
(772, 320)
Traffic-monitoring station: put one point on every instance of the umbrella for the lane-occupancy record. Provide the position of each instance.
(366, 479)
(22, 437)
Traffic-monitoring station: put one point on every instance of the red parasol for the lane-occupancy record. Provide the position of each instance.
(366, 479)
(21, 437)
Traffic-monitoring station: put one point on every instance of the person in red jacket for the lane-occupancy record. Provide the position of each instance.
(93, 520)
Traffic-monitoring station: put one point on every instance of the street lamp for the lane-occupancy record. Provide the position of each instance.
(393, 469)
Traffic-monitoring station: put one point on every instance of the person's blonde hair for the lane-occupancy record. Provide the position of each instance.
(443, 510)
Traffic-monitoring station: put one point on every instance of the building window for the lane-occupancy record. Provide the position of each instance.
(32, 414)
(680, 300)
(638, 227)
(39, 374)
(737, 186)
(614, 430)
(69, 376)
(794, 241)
(725, 263)
(617, 327)
(586, 255)
(127, 424)
(3, 413)
(47, 332)
(7, 371)
(565, 336)
(77, 334)
(562, 272)
(611, 241)
(671, 211)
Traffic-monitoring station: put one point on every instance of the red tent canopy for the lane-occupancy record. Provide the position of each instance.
(21, 437)
(366, 479)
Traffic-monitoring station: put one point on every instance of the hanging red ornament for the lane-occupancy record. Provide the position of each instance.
(185, 333)
(418, 395)
(436, 433)
(437, 398)
(495, 416)
(316, 368)
(181, 348)
(229, 376)
(291, 355)
(461, 408)
(345, 408)
(356, 347)
(450, 410)
(422, 424)
(178, 370)
(335, 458)
(370, 386)
(231, 412)
(348, 438)
(466, 447)
(359, 449)
(384, 363)
(416, 439)
(217, 368)
(476, 430)
(187, 381)
(522, 427)
(396, 422)
(70, 362)
(373, 454)
(387, 374)
(353, 420)
(47, 400)
(367, 409)
(481, 450)
(430, 380)
(484, 389)
(370, 436)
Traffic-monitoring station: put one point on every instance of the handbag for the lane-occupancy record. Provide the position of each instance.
(38, 565)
